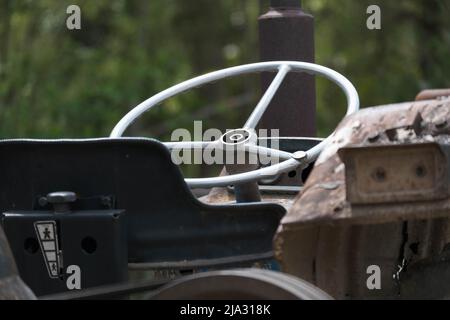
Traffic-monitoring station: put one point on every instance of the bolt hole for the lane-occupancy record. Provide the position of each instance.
(31, 245)
(414, 247)
(292, 174)
(373, 138)
(89, 245)
(379, 174)
(236, 137)
(421, 171)
(307, 171)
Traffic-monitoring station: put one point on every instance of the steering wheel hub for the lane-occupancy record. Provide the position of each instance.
(238, 137)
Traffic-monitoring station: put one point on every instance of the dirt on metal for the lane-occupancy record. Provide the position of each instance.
(335, 231)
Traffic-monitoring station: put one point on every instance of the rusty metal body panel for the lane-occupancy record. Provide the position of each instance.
(389, 174)
(343, 221)
(433, 94)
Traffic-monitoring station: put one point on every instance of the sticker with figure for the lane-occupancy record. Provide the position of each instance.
(48, 240)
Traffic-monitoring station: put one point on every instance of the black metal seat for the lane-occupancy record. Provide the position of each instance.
(166, 225)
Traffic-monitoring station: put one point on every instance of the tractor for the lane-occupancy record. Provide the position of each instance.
(360, 214)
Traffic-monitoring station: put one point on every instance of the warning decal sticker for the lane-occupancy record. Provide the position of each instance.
(48, 240)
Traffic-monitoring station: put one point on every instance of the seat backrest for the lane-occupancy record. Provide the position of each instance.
(166, 223)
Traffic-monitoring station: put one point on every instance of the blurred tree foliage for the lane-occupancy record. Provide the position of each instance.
(56, 82)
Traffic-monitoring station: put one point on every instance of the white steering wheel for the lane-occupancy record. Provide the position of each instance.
(290, 161)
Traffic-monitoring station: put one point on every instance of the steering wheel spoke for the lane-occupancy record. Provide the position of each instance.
(262, 105)
(268, 152)
(240, 136)
(193, 145)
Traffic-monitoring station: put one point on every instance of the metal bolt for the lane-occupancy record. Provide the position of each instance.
(106, 201)
(299, 155)
(43, 201)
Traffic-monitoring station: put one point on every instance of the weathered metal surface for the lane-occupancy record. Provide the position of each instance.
(395, 173)
(323, 198)
(433, 94)
(11, 286)
(287, 33)
(331, 242)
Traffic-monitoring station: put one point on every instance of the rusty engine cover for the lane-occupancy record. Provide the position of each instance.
(378, 197)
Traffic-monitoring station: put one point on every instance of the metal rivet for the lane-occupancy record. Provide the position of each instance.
(299, 155)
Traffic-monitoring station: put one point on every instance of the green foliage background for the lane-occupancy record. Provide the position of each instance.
(58, 83)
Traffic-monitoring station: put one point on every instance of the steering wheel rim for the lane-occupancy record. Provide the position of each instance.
(291, 161)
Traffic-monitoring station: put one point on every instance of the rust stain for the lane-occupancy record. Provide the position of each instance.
(421, 121)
